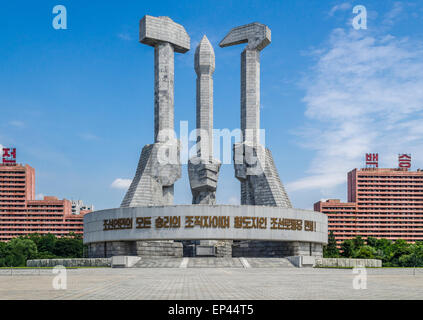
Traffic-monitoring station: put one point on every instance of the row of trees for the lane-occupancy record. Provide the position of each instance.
(397, 253)
(17, 251)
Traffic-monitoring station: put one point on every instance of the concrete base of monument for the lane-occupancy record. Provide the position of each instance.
(207, 262)
(207, 248)
(204, 230)
(167, 248)
(276, 249)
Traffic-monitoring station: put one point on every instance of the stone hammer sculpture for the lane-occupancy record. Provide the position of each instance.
(254, 166)
(159, 165)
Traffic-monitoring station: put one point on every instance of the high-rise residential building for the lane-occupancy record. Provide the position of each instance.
(78, 207)
(382, 203)
(21, 214)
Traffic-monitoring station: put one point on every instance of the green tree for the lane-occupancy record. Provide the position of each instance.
(18, 251)
(68, 248)
(383, 244)
(45, 255)
(383, 249)
(415, 258)
(358, 242)
(365, 252)
(347, 248)
(47, 243)
(398, 249)
(75, 236)
(36, 237)
(371, 241)
(3, 253)
(331, 250)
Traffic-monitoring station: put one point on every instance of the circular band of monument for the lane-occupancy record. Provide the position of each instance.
(205, 222)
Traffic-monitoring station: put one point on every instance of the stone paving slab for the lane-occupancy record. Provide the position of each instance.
(22, 272)
(216, 283)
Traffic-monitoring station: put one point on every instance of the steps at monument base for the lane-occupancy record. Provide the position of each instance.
(214, 263)
(158, 263)
(211, 262)
(269, 263)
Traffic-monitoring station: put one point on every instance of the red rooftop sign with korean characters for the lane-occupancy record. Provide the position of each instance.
(9, 155)
(372, 160)
(404, 161)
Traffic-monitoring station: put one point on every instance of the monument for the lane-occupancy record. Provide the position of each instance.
(203, 170)
(147, 224)
(254, 166)
(153, 181)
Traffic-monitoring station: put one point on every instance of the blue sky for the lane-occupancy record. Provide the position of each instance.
(78, 103)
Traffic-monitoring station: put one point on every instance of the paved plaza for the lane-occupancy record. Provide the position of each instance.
(211, 283)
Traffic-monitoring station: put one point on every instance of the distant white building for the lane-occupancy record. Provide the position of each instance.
(78, 205)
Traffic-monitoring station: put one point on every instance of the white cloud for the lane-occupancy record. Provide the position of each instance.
(394, 14)
(124, 36)
(364, 94)
(16, 123)
(88, 136)
(121, 183)
(339, 7)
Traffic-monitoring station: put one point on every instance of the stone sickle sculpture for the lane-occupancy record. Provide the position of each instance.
(203, 170)
(254, 166)
(159, 166)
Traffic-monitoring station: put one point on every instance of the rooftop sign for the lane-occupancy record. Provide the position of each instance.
(9, 155)
(404, 161)
(372, 160)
